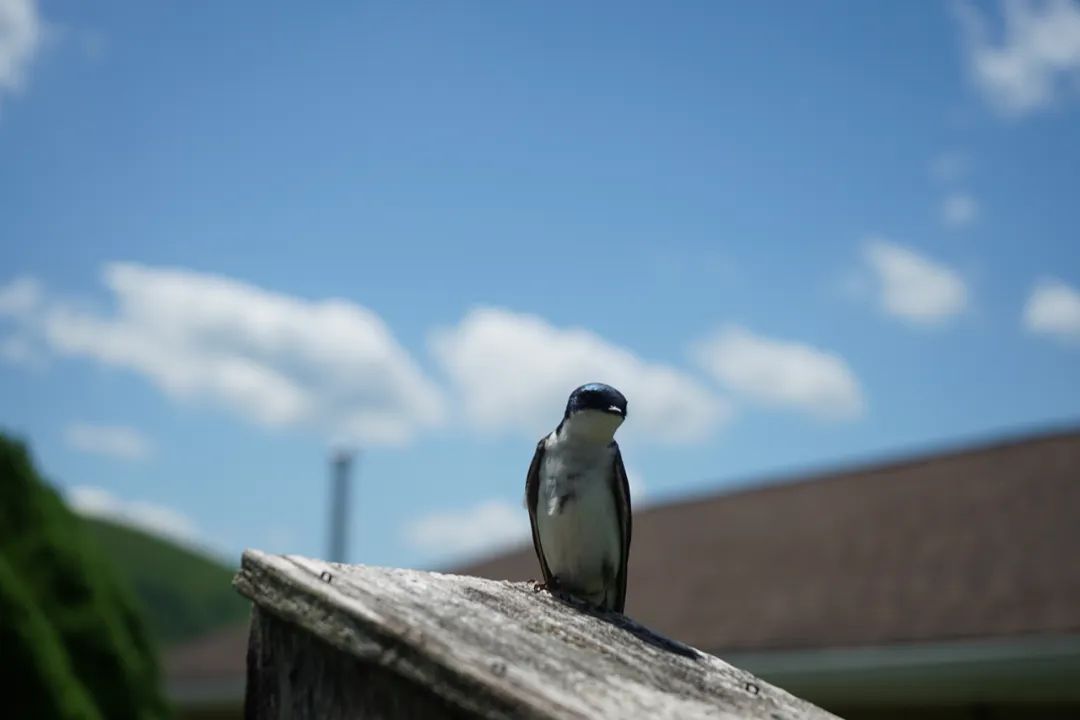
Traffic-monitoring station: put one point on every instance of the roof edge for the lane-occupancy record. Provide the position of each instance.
(893, 460)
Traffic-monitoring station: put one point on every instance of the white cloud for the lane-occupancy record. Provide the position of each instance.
(1037, 55)
(115, 441)
(959, 209)
(150, 517)
(514, 372)
(780, 373)
(912, 287)
(21, 32)
(271, 358)
(481, 529)
(1054, 309)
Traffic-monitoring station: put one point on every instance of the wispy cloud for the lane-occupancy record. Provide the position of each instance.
(782, 374)
(948, 167)
(20, 297)
(1053, 309)
(514, 372)
(486, 527)
(958, 210)
(478, 530)
(19, 301)
(21, 33)
(147, 516)
(115, 441)
(93, 44)
(18, 350)
(912, 287)
(273, 359)
(1036, 58)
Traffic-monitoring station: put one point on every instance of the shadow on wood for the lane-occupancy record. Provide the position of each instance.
(343, 641)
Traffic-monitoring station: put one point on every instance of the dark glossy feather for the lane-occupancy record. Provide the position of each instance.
(620, 487)
(532, 493)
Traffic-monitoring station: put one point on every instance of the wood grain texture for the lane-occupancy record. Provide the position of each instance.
(483, 648)
(296, 676)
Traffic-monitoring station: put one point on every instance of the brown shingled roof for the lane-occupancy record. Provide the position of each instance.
(973, 544)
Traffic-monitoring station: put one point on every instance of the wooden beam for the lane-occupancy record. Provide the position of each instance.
(331, 640)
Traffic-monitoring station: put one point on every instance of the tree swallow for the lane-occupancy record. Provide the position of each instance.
(579, 500)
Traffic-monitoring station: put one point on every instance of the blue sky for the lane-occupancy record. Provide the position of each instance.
(232, 236)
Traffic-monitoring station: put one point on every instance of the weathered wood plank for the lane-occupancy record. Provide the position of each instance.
(492, 649)
(296, 676)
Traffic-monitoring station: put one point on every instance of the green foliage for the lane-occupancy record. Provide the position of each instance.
(182, 594)
(36, 667)
(82, 641)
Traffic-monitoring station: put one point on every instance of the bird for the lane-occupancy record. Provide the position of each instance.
(578, 498)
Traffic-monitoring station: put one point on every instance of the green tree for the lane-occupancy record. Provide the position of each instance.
(63, 606)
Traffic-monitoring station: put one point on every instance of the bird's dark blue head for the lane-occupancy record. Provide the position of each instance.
(596, 396)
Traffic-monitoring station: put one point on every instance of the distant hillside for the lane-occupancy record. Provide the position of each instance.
(182, 594)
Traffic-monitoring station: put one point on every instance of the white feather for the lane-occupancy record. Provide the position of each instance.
(581, 535)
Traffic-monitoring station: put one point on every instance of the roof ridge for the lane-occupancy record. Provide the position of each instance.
(783, 480)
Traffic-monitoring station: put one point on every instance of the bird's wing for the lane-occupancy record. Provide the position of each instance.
(532, 493)
(620, 488)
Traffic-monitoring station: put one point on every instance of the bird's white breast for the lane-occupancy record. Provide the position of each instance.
(576, 514)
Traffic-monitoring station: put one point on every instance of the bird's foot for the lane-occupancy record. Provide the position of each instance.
(558, 592)
(551, 585)
(555, 589)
